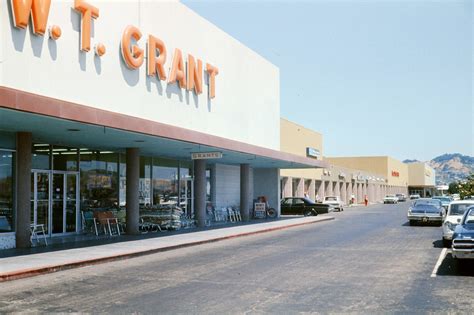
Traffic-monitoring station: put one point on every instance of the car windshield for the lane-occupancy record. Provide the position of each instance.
(469, 217)
(390, 196)
(459, 208)
(432, 202)
(331, 199)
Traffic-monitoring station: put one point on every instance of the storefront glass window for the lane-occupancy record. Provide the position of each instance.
(40, 158)
(165, 182)
(185, 187)
(123, 180)
(6, 191)
(208, 185)
(144, 185)
(64, 159)
(99, 179)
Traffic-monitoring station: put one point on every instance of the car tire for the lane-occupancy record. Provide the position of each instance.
(308, 213)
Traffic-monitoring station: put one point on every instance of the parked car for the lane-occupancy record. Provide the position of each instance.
(303, 206)
(454, 214)
(463, 237)
(415, 196)
(401, 197)
(390, 199)
(456, 196)
(445, 201)
(426, 210)
(334, 201)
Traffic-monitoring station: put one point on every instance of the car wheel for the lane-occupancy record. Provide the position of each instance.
(446, 243)
(308, 213)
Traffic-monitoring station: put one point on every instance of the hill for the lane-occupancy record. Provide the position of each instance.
(450, 167)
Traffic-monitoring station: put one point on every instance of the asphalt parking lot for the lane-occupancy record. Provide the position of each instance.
(368, 260)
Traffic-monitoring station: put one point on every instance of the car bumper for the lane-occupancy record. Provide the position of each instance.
(447, 233)
(424, 218)
(463, 253)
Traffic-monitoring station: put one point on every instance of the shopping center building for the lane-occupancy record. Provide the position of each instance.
(126, 104)
(421, 179)
(345, 178)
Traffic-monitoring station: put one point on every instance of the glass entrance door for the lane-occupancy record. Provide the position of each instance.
(55, 201)
(40, 198)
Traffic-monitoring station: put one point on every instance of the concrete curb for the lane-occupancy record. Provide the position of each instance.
(25, 273)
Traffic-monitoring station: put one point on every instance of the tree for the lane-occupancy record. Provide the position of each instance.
(453, 188)
(466, 188)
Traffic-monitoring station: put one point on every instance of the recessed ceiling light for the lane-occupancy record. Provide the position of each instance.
(73, 130)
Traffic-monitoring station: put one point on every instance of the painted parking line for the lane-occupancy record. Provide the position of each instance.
(438, 263)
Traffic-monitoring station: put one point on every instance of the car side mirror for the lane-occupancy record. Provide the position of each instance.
(459, 220)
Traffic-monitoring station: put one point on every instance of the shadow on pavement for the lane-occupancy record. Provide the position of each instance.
(438, 244)
(459, 268)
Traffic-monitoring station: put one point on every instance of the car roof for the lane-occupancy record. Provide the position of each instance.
(463, 202)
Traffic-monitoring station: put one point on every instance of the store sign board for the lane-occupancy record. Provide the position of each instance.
(206, 155)
(187, 75)
(312, 152)
(395, 174)
(259, 210)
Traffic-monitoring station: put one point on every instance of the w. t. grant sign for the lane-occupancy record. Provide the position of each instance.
(186, 71)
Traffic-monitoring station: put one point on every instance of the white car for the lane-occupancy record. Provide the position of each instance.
(334, 201)
(453, 216)
(390, 199)
(415, 196)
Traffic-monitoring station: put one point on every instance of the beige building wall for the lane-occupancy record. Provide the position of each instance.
(421, 174)
(295, 139)
(393, 167)
(381, 165)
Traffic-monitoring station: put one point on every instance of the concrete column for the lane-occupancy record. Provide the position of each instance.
(322, 189)
(337, 189)
(200, 192)
(359, 193)
(312, 190)
(344, 193)
(133, 179)
(329, 191)
(287, 186)
(244, 191)
(300, 188)
(348, 192)
(23, 189)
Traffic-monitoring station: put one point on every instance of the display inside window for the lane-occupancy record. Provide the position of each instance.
(165, 182)
(99, 179)
(6, 191)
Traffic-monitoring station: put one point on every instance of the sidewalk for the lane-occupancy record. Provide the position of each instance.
(35, 264)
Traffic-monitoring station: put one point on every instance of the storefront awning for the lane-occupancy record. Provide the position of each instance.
(69, 124)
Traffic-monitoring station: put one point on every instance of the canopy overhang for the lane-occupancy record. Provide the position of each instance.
(64, 123)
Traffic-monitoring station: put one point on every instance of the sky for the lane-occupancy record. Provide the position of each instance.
(374, 77)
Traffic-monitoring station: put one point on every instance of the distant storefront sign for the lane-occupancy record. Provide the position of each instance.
(395, 174)
(312, 152)
(206, 155)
